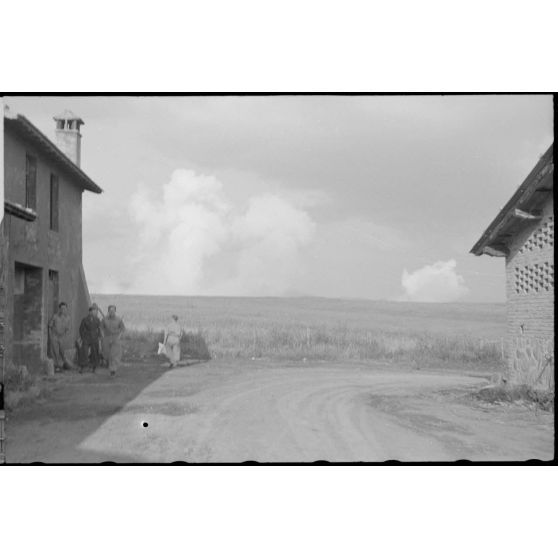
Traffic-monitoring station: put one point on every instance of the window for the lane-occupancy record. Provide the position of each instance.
(53, 202)
(30, 182)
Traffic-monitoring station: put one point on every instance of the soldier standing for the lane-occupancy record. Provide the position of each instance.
(90, 334)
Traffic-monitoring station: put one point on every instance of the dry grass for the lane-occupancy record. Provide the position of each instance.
(326, 343)
(272, 332)
(20, 387)
(421, 335)
(485, 321)
(517, 394)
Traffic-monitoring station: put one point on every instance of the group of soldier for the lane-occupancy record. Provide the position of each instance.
(99, 342)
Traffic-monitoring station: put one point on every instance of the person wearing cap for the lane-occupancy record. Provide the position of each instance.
(173, 333)
(90, 335)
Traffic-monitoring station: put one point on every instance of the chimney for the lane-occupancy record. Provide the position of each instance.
(67, 136)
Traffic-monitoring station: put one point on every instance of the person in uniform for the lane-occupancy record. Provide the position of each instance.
(112, 327)
(173, 333)
(90, 334)
(58, 330)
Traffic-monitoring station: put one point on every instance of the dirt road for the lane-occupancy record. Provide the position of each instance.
(273, 412)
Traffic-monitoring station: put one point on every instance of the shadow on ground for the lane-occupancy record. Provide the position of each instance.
(78, 404)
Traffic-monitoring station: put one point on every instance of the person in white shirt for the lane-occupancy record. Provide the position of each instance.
(173, 333)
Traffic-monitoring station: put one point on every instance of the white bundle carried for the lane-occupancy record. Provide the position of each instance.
(162, 350)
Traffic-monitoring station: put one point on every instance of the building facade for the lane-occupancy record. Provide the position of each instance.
(41, 236)
(523, 233)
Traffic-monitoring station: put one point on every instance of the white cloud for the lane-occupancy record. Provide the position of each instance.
(438, 282)
(190, 223)
(270, 236)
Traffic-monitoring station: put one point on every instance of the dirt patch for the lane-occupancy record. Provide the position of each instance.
(169, 409)
(516, 394)
(404, 410)
(183, 392)
(94, 409)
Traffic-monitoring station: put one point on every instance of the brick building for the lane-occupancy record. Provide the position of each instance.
(523, 233)
(40, 235)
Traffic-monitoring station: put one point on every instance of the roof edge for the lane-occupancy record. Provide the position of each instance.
(28, 127)
(526, 189)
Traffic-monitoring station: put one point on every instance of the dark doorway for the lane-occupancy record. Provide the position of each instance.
(28, 301)
(53, 297)
(53, 292)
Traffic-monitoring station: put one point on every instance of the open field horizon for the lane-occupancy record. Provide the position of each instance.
(421, 334)
(125, 298)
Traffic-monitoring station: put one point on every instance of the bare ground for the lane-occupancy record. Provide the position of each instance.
(235, 411)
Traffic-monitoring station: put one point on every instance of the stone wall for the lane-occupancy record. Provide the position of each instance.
(35, 244)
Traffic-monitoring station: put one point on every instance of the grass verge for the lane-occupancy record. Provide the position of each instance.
(419, 350)
(517, 394)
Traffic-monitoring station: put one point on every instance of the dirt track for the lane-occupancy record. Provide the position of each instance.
(269, 412)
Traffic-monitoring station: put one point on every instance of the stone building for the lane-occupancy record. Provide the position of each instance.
(40, 235)
(523, 234)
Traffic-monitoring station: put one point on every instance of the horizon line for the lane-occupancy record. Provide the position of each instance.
(297, 297)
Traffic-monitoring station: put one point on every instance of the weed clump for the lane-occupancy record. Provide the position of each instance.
(517, 394)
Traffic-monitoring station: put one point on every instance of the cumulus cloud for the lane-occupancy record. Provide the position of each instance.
(193, 240)
(438, 282)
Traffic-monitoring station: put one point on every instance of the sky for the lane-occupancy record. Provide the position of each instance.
(376, 197)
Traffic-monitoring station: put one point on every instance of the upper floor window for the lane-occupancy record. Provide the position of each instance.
(31, 182)
(53, 202)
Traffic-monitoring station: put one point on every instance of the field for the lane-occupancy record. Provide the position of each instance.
(421, 335)
(291, 380)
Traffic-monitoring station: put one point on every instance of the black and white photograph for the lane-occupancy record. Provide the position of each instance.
(277, 278)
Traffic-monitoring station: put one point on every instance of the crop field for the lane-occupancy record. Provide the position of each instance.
(422, 335)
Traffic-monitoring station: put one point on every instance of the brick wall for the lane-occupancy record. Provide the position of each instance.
(530, 303)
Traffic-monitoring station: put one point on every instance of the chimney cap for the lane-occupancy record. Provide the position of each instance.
(68, 115)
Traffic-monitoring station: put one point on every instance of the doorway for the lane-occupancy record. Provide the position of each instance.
(53, 293)
(28, 322)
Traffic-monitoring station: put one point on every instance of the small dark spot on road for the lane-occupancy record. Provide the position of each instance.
(145, 424)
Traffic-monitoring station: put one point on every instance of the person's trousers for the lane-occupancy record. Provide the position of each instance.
(57, 352)
(89, 353)
(112, 351)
